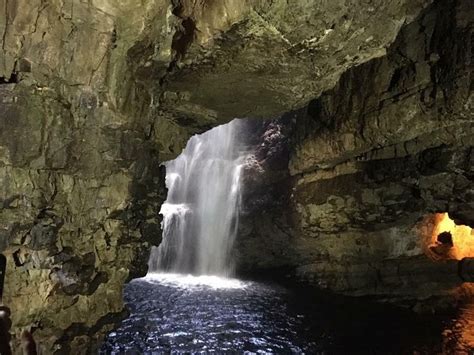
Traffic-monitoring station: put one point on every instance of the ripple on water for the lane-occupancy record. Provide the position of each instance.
(172, 313)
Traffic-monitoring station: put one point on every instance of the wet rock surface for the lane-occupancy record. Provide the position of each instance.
(369, 159)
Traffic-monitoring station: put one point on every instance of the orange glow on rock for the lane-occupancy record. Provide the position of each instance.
(462, 238)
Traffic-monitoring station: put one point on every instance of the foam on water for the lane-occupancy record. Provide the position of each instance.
(191, 281)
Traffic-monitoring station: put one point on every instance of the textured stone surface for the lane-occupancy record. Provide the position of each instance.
(80, 180)
(277, 55)
(370, 158)
(94, 95)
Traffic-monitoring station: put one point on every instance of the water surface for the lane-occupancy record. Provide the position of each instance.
(172, 313)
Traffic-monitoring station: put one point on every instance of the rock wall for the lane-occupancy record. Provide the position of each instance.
(81, 185)
(95, 94)
(370, 158)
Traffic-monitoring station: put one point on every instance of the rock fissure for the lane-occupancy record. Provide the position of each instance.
(6, 26)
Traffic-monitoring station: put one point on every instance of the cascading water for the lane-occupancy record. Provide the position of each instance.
(200, 215)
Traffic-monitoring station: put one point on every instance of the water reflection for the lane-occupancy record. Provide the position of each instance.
(458, 337)
(186, 314)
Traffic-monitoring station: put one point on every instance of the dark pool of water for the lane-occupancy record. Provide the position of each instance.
(184, 314)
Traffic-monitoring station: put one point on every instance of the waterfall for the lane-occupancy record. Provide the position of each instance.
(200, 215)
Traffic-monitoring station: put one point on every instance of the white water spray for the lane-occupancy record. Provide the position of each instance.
(200, 215)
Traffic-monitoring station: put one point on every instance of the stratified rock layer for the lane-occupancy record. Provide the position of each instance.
(388, 145)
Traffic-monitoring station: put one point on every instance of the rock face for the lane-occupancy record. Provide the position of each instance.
(370, 158)
(373, 163)
(94, 95)
(81, 185)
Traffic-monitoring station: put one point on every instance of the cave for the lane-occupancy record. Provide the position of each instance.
(331, 188)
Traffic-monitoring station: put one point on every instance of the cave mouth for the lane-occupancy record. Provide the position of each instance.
(444, 239)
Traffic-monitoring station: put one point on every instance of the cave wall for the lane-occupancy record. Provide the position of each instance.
(81, 185)
(390, 143)
(95, 94)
